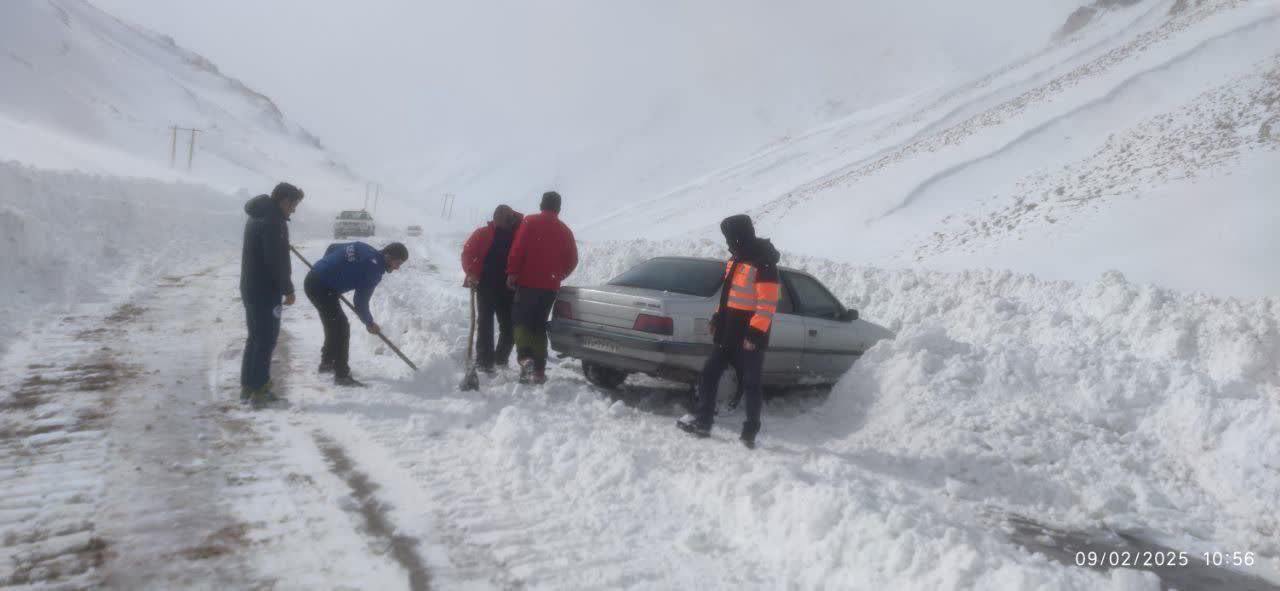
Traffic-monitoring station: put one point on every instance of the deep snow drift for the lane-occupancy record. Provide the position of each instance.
(1097, 407)
(73, 238)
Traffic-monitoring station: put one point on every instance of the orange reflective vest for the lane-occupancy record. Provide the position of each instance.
(750, 293)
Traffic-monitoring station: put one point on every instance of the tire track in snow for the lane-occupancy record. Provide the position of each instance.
(374, 513)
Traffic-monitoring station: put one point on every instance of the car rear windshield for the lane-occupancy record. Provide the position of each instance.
(686, 276)
(353, 215)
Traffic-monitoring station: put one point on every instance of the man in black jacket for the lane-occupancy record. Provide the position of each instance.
(265, 280)
(740, 326)
(484, 260)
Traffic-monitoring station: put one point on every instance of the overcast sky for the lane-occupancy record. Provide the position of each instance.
(392, 82)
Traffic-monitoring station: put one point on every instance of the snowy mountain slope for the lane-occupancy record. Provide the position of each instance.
(86, 91)
(877, 185)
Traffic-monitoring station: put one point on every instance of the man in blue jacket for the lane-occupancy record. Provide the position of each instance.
(346, 267)
(264, 282)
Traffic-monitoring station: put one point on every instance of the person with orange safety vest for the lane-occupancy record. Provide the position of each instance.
(741, 324)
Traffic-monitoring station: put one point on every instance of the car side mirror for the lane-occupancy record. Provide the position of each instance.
(849, 316)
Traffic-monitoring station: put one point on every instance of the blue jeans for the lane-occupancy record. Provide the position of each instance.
(260, 312)
(749, 365)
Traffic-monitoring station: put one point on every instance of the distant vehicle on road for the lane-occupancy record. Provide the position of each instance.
(415, 230)
(353, 222)
(653, 319)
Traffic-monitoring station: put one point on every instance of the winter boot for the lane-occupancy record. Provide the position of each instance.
(539, 377)
(749, 431)
(690, 424)
(527, 370)
(326, 366)
(264, 397)
(246, 394)
(347, 381)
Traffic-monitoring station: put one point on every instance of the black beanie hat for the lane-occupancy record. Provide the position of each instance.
(396, 250)
(285, 191)
(550, 201)
(738, 229)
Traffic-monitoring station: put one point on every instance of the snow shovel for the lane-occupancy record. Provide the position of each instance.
(353, 309)
(471, 381)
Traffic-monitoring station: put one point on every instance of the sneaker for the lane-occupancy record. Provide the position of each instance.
(326, 366)
(526, 371)
(347, 382)
(689, 424)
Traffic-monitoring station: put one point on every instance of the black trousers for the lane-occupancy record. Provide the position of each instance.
(749, 365)
(493, 302)
(337, 330)
(532, 308)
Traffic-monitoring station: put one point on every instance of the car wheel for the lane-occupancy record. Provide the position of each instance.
(604, 377)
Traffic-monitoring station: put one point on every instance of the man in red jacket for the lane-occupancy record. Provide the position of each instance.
(484, 259)
(542, 255)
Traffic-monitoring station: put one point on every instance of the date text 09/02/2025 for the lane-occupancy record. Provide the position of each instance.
(1169, 558)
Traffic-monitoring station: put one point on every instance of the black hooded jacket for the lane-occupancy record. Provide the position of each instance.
(265, 269)
(732, 325)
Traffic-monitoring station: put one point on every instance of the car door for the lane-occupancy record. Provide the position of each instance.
(785, 358)
(829, 345)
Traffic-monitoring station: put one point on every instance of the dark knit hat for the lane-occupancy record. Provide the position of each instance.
(550, 201)
(738, 229)
(285, 191)
(396, 250)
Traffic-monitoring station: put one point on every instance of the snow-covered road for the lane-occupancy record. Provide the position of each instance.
(126, 462)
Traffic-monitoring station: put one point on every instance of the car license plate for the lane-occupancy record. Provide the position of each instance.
(599, 344)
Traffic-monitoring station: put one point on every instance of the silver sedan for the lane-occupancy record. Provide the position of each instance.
(653, 319)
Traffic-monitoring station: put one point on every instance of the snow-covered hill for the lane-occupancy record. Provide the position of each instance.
(85, 91)
(1147, 101)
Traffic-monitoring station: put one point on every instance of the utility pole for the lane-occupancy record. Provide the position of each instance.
(191, 149)
(377, 193)
(173, 145)
(446, 206)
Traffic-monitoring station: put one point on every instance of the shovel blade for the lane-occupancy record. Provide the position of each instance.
(471, 381)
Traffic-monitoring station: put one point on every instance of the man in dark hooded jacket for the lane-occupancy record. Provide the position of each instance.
(484, 260)
(741, 325)
(265, 280)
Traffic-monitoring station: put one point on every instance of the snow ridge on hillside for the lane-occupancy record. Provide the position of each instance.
(1199, 139)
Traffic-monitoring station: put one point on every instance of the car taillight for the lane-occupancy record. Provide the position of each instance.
(562, 309)
(654, 324)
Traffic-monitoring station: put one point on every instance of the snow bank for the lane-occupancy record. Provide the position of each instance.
(73, 238)
(1087, 407)
(1104, 403)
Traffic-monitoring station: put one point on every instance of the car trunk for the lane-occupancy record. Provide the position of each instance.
(616, 306)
